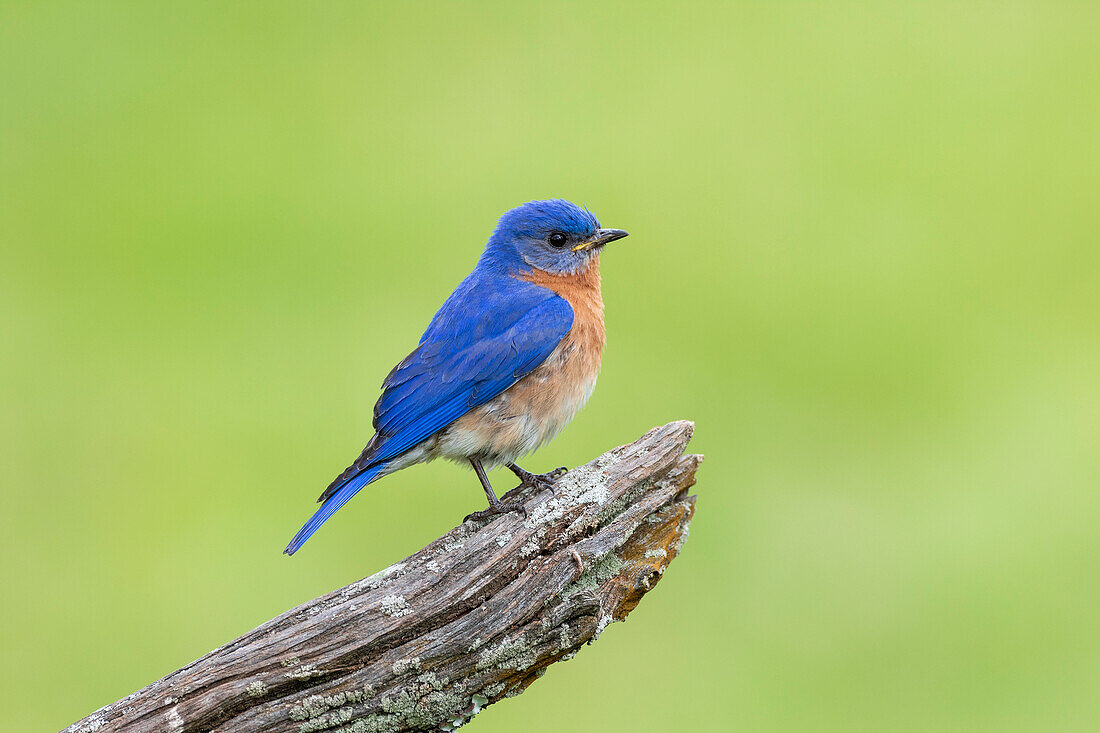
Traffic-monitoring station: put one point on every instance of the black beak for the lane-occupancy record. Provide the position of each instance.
(602, 237)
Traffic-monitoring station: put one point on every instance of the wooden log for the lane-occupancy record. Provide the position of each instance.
(471, 619)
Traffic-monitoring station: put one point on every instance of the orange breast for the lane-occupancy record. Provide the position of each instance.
(563, 383)
(582, 291)
(538, 406)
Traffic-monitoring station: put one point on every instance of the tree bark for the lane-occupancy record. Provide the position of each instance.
(474, 617)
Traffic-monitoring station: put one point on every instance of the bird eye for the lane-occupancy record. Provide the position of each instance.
(557, 239)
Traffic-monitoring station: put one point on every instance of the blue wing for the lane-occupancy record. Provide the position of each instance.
(491, 332)
(479, 344)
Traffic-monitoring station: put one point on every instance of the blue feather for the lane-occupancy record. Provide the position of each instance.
(334, 502)
(469, 355)
(477, 346)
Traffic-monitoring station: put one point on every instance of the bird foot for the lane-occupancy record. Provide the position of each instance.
(540, 481)
(497, 509)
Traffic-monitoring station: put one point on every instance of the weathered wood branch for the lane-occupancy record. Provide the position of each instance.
(474, 617)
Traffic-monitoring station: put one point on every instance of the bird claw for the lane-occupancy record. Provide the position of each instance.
(541, 481)
(494, 510)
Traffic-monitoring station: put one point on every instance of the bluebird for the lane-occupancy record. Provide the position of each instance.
(504, 365)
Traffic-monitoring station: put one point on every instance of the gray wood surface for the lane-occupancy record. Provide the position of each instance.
(471, 619)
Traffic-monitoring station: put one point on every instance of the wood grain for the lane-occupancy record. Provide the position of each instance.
(471, 619)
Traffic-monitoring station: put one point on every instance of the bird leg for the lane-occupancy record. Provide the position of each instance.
(496, 506)
(537, 480)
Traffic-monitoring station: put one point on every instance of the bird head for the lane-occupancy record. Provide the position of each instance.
(555, 236)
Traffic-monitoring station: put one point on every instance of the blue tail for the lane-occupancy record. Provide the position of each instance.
(334, 502)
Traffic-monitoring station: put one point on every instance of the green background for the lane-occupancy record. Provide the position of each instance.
(863, 258)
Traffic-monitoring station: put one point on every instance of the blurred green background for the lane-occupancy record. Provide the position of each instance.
(864, 259)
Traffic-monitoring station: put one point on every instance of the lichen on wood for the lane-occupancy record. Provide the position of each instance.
(471, 619)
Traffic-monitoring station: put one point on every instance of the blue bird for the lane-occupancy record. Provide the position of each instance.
(504, 365)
